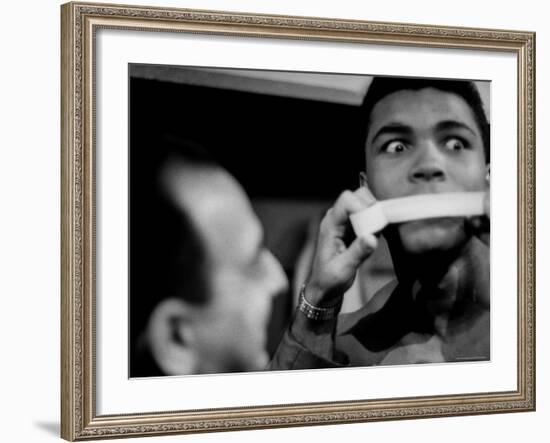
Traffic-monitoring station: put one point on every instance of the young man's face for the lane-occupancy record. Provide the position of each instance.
(420, 142)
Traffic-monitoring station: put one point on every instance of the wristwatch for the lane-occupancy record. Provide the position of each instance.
(315, 312)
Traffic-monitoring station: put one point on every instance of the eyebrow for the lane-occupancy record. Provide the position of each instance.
(393, 128)
(453, 124)
(397, 128)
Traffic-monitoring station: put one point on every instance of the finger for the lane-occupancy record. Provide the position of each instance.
(348, 203)
(364, 190)
(361, 248)
(365, 195)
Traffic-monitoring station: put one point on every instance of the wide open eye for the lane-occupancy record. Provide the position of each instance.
(455, 144)
(394, 147)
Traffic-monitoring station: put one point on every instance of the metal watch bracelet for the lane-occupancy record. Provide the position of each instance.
(315, 312)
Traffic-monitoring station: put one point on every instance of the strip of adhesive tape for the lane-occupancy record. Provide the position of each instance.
(416, 207)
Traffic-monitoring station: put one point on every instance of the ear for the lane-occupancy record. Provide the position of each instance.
(171, 337)
(488, 173)
(363, 180)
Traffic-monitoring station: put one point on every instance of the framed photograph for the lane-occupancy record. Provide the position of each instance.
(277, 221)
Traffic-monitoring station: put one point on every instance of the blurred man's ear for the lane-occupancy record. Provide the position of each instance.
(488, 172)
(171, 337)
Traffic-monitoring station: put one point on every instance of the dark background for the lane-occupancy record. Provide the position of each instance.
(277, 147)
(292, 156)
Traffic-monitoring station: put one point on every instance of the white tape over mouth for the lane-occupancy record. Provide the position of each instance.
(416, 207)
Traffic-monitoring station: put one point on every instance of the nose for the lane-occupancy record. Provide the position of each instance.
(428, 165)
(428, 173)
(276, 275)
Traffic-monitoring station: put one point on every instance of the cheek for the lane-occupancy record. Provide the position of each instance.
(472, 177)
(248, 309)
(256, 312)
(386, 181)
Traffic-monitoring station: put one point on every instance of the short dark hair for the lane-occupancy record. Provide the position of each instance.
(380, 87)
(166, 253)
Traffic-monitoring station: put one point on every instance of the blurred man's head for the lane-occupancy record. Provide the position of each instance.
(426, 136)
(210, 278)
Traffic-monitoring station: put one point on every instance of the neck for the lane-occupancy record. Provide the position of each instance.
(428, 268)
(449, 286)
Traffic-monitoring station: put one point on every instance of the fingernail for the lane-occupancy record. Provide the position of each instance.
(370, 241)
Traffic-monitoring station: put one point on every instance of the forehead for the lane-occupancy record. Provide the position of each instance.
(220, 211)
(232, 235)
(421, 108)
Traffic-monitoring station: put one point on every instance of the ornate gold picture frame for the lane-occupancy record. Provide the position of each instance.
(80, 417)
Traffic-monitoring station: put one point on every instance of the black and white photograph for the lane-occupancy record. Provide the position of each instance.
(275, 221)
(286, 220)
